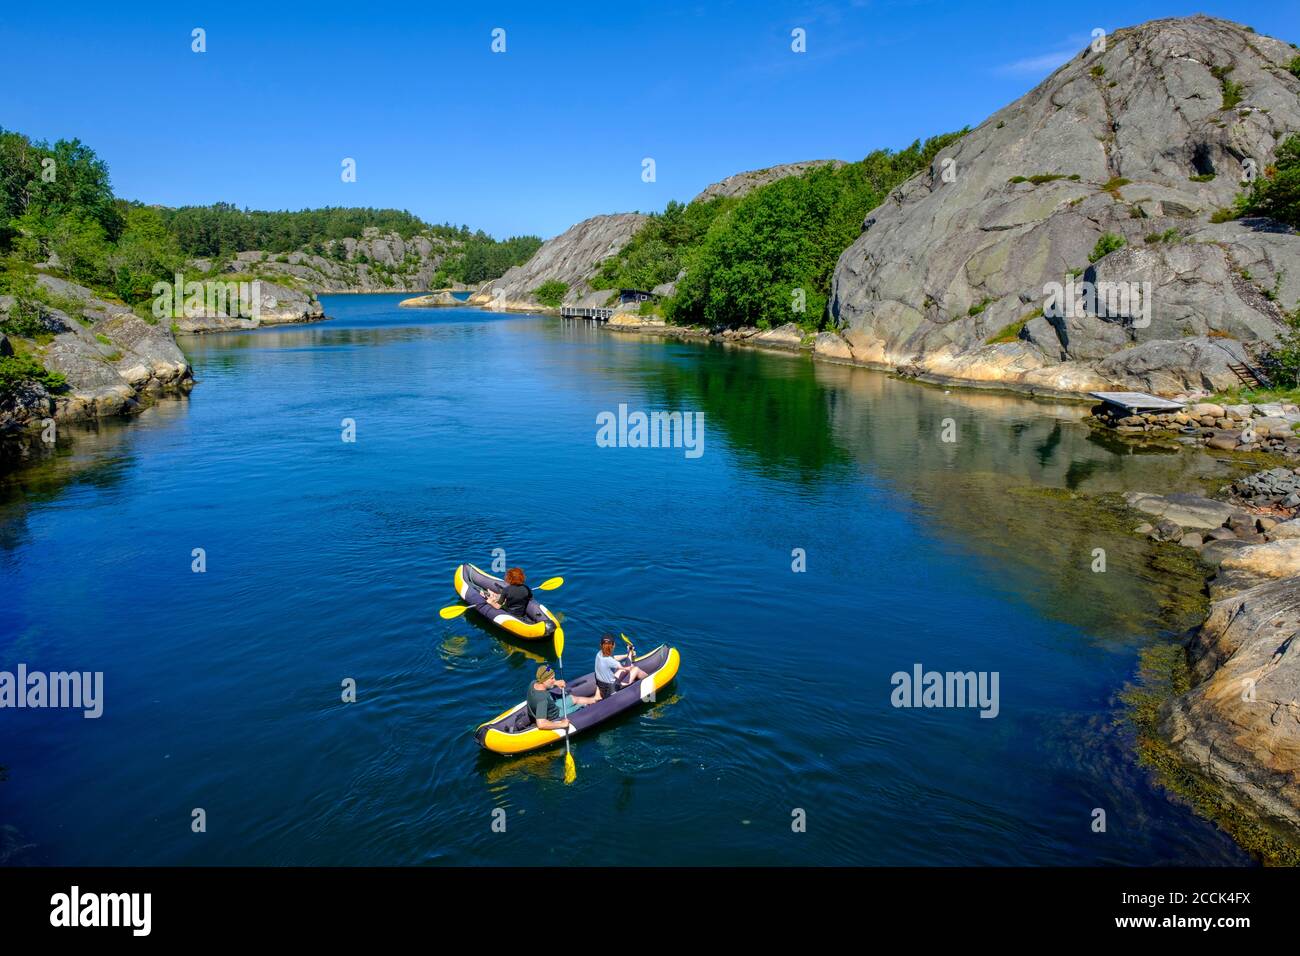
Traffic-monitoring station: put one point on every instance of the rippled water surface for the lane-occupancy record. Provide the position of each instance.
(329, 560)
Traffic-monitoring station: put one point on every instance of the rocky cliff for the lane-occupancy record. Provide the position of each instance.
(571, 257)
(1144, 140)
(374, 263)
(112, 360)
(742, 183)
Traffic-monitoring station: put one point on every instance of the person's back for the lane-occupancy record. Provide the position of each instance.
(517, 599)
(517, 595)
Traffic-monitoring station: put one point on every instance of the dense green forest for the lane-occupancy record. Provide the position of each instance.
(56, 199)
(481, 258)
(657, 251)
(768, 258)
(223, 229)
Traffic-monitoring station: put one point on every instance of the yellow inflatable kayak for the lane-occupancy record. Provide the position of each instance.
(514, 732)
(472, 584)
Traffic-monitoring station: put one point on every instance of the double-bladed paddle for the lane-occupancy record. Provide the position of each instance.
(570, 768)
(456, 610)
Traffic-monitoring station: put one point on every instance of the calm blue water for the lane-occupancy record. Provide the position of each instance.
(328, 560)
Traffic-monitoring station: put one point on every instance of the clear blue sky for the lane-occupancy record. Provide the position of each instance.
(532, 140)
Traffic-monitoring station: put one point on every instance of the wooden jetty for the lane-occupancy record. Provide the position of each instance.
(581, 312)
(1133, 402)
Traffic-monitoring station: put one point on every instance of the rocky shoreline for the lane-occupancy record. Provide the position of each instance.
(1272, 427)
(113, 362)
(1236, 727)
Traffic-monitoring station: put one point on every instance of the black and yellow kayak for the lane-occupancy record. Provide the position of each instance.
(514, 732)
(472, 584)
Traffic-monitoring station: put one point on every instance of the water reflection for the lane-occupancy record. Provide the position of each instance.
(96, 454)
(1027, 483)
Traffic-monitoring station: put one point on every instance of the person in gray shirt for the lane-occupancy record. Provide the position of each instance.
(614, 671)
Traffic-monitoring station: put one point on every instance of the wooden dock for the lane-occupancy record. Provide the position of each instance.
(1134, 402)
(580, 312)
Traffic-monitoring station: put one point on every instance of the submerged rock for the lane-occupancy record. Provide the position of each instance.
(1186, 510)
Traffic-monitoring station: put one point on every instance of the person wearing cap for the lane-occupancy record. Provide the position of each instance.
(543, 708)
(610, 673)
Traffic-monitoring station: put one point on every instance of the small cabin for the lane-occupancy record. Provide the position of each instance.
(632, 296)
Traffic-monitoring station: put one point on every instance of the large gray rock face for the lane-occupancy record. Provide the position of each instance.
(109, 356)
(571, 257)
(947, 263)
(742, 183)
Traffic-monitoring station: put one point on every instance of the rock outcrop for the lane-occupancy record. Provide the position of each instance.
(377, 262)
(279, 304)
(1239, 725)
(112, 359)
(1144, 140)
(742, 183)
(441, 298)
(571, 257)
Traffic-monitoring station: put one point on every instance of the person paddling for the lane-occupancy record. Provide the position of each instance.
(543, 707)
(516, 597)
(611, 672)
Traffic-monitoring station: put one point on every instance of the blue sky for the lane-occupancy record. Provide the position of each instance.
(535, 139)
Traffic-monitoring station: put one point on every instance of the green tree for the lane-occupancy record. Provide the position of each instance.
(145, 254)
(19, 370)
(1107, 244)
(82, 248)
(1278, 194)
(1282, 362)
(551, 293)
(769, 258)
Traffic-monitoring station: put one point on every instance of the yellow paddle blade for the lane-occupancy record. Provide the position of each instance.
(625, 640)
(570, 768)
(550, 584)
(456, 610)
(559, 643)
